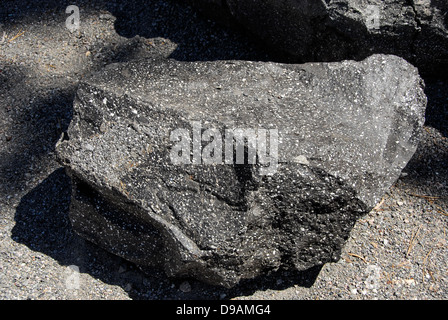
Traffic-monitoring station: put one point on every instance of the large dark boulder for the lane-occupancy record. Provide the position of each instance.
(336, 135)
(334, 30)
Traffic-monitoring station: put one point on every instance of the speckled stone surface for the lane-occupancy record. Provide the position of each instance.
(345, 132)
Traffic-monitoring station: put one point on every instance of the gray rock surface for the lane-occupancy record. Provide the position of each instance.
(334, 30)
(345, 132)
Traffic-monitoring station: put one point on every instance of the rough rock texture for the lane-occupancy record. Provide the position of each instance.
(345, 132)
(334, 30)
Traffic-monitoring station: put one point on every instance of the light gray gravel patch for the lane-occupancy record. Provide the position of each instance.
(397, 251)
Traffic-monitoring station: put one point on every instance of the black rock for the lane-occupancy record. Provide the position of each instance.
(336, 136)
(328, 30)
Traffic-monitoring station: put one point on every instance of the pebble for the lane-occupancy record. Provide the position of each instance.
(185, 287)
(106, 16)
(302, 160)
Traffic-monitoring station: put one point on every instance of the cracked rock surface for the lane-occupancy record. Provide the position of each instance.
(345, 132)
(333, 30)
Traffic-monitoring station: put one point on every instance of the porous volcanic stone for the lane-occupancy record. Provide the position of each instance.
(345, 132)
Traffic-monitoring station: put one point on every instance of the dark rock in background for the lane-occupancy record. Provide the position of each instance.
(346, 130)
(329, 30)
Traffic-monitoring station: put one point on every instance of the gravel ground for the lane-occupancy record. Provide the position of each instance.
(397, 251)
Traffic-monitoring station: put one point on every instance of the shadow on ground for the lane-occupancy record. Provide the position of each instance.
(437, 111)
(32, 122)
(196, 38)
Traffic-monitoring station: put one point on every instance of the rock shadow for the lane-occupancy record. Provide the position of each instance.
(31, 123)
(437, 110)
(196, 38)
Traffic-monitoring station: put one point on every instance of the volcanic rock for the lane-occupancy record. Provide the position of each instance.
(161, 178)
